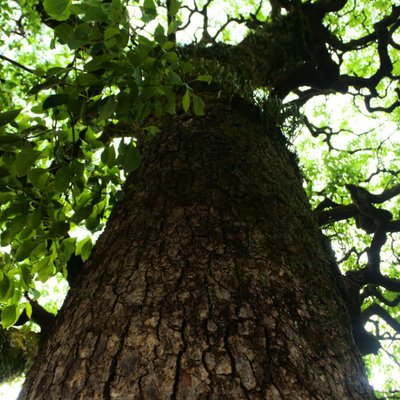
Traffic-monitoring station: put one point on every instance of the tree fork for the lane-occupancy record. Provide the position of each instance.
(211, 280)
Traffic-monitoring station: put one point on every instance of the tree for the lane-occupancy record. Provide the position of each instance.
(211, 278)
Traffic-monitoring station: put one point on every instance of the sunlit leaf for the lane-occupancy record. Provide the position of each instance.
(58, 9)
(84, 248)
(204, 78)
(28, 310)
(174, 6)
(198, 105)
(149, 11)
(9, 316)
(186, 100)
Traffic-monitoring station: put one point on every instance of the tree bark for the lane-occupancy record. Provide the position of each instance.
(211, 280)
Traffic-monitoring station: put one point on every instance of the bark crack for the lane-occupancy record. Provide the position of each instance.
(114, 362)
(178, 367)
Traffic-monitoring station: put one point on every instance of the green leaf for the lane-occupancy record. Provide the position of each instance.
(35, 219)
(94, 12)
(4, 287)
(174, 6)
(77, 169)
(58, 9)
(44, 268)
(25, 159)
(92, 223)
(67, 248)
(11, 142)
(25, 276)
(111, 31)
(198, 105)
(25, 233)
(149, 10)
(132, 159)
(81, 213)
(55, 100)
(85, 79)
(25, 249)
(62, 179)
(59, 228)
(10, 290)
(186, 67)
(56, 71)
(97, 62)
(28, 310)
(136, 57)
(84, 248)
(64, 32)
(80, 36)
(204, 78)
(9, 316)
(152, 130)
(186, 100)
(39, 177)
(9, 116)
(168, 45)
(107, 110)
(49, 83)
(108, 156)
(172, 57)
(173, 26)
(159, 35)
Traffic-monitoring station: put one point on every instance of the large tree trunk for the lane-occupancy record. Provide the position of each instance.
(211, 281)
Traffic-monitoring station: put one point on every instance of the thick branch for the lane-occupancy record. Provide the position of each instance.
(326, 6)
(341, 212)
(376, 309)
(386, 282)
(335, 214)
(40, 316)
(372, 290)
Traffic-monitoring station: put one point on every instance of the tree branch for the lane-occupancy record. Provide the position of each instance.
(376, 309)
(341, 212)
(372, 290)
(17, 64)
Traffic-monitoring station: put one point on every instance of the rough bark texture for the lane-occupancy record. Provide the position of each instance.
(211, 281)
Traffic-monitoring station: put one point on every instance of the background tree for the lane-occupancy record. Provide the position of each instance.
(224, 287)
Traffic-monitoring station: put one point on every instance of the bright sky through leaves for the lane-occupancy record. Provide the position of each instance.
(367, 150)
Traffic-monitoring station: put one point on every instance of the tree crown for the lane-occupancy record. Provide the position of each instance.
(84, 84)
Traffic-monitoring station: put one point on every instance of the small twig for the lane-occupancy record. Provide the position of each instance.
(17, 64)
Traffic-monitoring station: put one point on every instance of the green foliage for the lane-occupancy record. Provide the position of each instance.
(363, 150)
(8, 116)
(60, 10)
(72, 117)
(17, 351)
(63, 156)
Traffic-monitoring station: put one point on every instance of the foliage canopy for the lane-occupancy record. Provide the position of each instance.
(84, 82)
